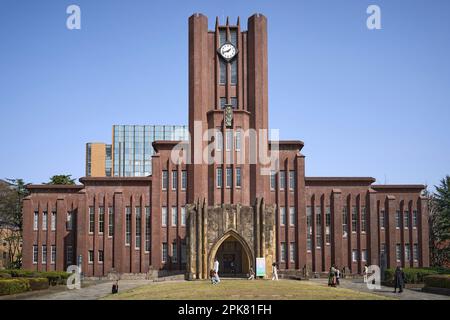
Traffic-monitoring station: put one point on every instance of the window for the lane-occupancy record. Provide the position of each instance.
(233, 35)
(238, 177)
(222, 36)
(344, 221)
(174, 252)
(309, 228)
(292, 216)
(283, 252)
(406, 218)
(35, 254)
(69, 221)
(382, 219)
(282, 180)
(183, 252)
(147, 229)
(229, 137)
(229, 177)
(272, 180)
(414, 218)
(407, 252)
(238, 139)
(69, 255)
(183, 216)
(100, 256)
(383, 248)
(127, 225)
(398, 252)
(292, 180)
(292, 252)
(218, 139)
(364, 255)
(91, 256)
(234, 102)
(137, 211)
(174, 216)
(318, 227)
(164, 252)
(223, 102)
(183, 180)
(53, 221)
(164, 216)
(354, 255)
(44, 254)
(44, 220)
(36, 220)
(91, 220)
(110, 221)
(354, 218)
(223, 72)
(219, 177)
(165, 179)
(327, 225)
(53, 254)
(397, 219)
(363, 219)
(282, 216)
(101, 219)
(174, 180)
(233, 72)
(416, 252)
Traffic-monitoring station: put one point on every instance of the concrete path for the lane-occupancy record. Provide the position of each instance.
(407, 294)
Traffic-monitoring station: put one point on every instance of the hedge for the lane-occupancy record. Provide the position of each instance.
(415, 275)
(438, 281)
(13, 286)
(54, 277)
(38, 283)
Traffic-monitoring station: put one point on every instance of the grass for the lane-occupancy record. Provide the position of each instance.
(242, 290)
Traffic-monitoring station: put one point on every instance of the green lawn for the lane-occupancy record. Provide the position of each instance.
(242, 290)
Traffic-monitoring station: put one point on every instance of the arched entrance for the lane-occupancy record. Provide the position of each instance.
(233, 254)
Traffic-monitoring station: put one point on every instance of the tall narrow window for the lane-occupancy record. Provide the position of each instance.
(165, 179)
(127, 225)
(291, 180)
(414, 218)
(174, 252)
(101, 219)
(309, 228)
(327, 225)
(407, 252)
(233, 37)
(292, 254)
(398, 252)
(147, 229)
(318, 227)
(218, 139)
(44, 254)
(44, 220)
(91, 220)
(272, 180)
(69, 221)
(234, 72)
(406, 218)
(238, 139)
(35, 254)
(110, 221)
(234, 102)
(383, 248)
(174, 216)
(382, 219)
(238, 177)
(363, 219)
(282, 216)
(354, 219)
(222, 36)
(354, 255)
(69, 255)
(292, 216)
(53, 255)
(283, 252)
(219, 177)
(282, 180)
(344, 221)
(183, 216)
(91, 256)
(36, 220)
(100, 256)
(416, 252)
(223, 72)
(229, 141)
(164, 216)
(183, 180)
(174, 180)
(364, 255)
(53, 221)
(223, 102)
(164, 252)
(398, 219)
(229, 177)
(137, 211)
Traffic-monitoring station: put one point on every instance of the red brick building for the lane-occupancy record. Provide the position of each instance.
(189, 212)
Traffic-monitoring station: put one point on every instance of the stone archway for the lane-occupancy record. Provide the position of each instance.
(245, 259)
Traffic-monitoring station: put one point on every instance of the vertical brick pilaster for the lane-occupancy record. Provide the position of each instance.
(61, 210)
(391, 231)
(119, 231)
(373, 242)
(424, 260)
(301, 212)
(336, 223)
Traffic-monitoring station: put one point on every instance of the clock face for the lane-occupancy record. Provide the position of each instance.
(228, 51)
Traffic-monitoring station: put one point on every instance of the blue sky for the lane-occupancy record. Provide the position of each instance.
(365, 102)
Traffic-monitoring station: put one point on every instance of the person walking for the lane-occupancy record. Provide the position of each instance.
(337, 274)
(274, 271)
(399, 280)
(251, 274)
(366, 272)
(212, 275)
(216, 270)
(332, 277)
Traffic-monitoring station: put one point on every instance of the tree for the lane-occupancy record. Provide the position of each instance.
(65, 179)
(439, 208)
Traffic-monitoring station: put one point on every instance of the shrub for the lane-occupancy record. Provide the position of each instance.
(415, 275)
(55, 277)
(438, 281)
(13, 286)
(38, 283)
(4, 275)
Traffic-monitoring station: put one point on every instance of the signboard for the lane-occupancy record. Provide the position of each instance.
(260, 267)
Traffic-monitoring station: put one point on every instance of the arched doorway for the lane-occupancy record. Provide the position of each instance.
(233, 254)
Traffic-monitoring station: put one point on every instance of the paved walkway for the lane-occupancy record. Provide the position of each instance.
(407, 294)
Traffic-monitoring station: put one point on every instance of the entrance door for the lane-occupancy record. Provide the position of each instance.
(232, 259)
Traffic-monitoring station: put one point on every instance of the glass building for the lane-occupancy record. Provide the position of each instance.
(133, 150)
(98, 159)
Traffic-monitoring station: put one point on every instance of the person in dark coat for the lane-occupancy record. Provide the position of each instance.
(399, 280)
